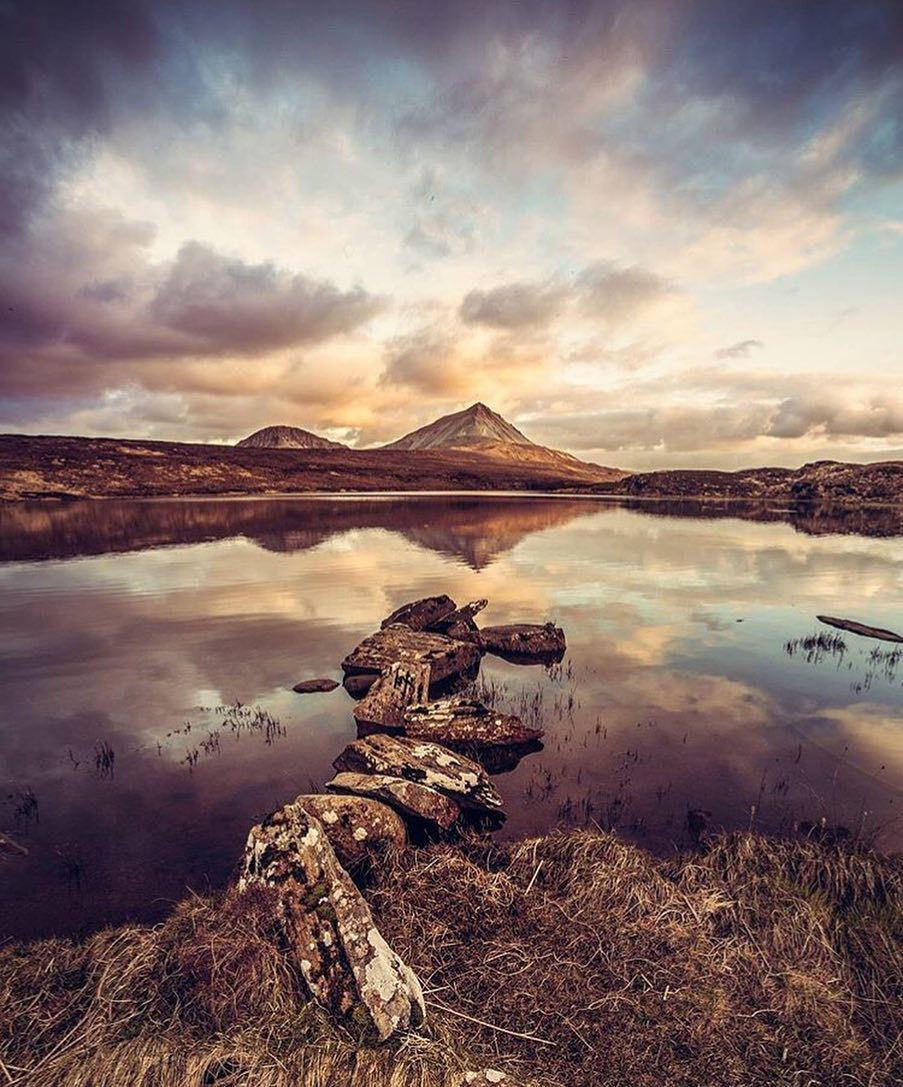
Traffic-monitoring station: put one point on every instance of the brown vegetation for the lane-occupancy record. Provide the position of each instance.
(51, 467)
(572, 959)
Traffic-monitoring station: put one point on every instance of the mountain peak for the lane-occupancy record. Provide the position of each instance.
(473, 426)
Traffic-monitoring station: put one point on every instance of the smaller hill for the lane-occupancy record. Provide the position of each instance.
(286, 437)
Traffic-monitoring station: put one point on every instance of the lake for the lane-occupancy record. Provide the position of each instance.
(149, 648)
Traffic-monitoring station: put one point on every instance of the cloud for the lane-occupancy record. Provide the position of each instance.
(616, 294)
(426, 361)
(740, 350)
(82, 291)
(227, 305)
(513, 306)
(880, 417)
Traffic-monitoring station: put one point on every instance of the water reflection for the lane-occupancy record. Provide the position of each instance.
(134, 681)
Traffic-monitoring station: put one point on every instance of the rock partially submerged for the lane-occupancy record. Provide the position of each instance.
(860, 628)
(463, 721)
(447, 658)
(344, 960)
(358, 686)
(358, 828)
(460, 618)
(421, 614)
(408, 797)
(312, 686)
(455, 776)
(384, 704)
(524, 643)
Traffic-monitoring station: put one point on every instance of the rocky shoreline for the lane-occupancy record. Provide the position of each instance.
(419, 770)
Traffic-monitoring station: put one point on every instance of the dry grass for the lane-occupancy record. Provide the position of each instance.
(756, 962)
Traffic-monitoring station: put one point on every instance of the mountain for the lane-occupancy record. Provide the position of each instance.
(480, 430)
(473, 426)
(286, 437)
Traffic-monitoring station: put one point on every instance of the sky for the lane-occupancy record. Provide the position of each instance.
(650, 232)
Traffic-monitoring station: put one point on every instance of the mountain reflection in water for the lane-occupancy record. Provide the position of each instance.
(147, 720)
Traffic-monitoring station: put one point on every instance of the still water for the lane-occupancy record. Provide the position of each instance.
(131, 631)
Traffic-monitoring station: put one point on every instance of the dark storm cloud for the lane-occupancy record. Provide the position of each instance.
(513, 306)
(61, 65)
(790, 64)
(740, 350)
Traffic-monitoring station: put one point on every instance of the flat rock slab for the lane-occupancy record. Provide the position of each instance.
(860, 628)
(455, 776)
(459, 721)
(384, 704)
(411, 799)
(344, 960)
(358, 828)
(311, 686)
(446, 657)
(524, 643)
(421, 614)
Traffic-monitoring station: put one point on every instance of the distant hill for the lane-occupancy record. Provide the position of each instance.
(479, 429)
(286, 437)
(823, 481)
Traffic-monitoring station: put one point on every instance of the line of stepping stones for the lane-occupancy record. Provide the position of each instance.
(420, 766)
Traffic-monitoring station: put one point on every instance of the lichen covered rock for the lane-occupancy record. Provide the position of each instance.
(412, 799)
(455, 776)
(447, 658)
(384, 704)
(358, 828)
(464, 721)
(346, 964)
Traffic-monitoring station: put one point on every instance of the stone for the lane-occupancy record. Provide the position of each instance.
(448, 659)
(358, 828)
(524, 643)
(357, 686)
(462, 721)
(421, 614)
(455, 776)
(465, 632)
(488, 1077)
(400, 685)
(311, 686)
(459, 618)
(345, 962)
(411, 799)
